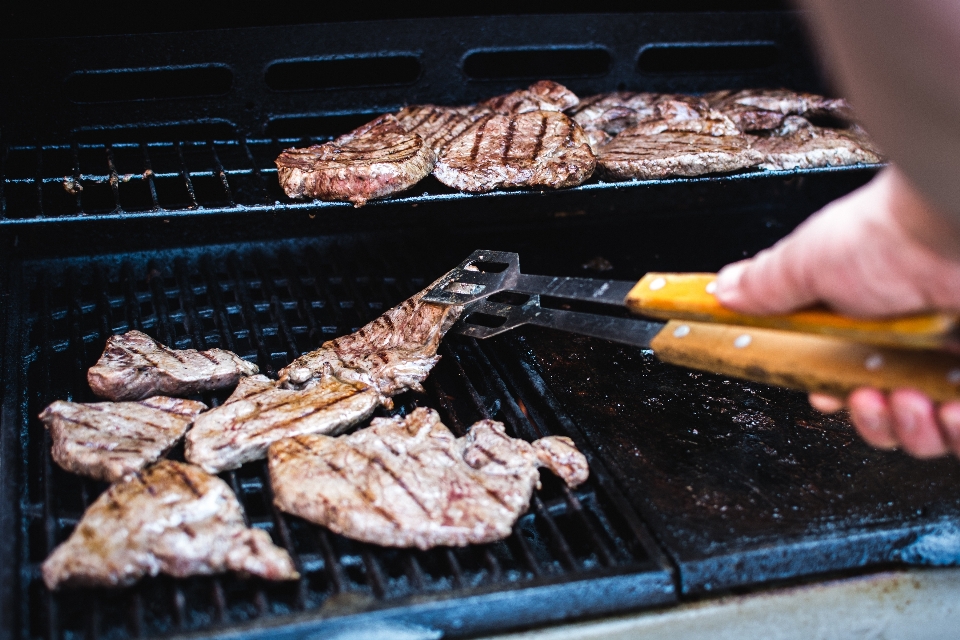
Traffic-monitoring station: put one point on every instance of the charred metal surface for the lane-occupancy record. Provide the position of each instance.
(743, 482)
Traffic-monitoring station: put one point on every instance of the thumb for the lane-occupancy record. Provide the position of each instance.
(771, 282)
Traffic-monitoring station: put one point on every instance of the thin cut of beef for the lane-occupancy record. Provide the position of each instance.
(765, 109)
(172, 518)
(614, 112)
(135, 366)
(438, 126)
(408, 482)
(681, 113)
(391, 354)
(376, 160)
(544, 95)
(533, 149)
(637, 155)
(260, 412)
(108, 440)
(801, 145)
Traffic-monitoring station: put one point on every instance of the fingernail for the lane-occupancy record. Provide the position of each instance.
(728, 280)
(908, 420)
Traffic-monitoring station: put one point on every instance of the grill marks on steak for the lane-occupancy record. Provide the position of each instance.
(260, 412)
(639, 155)
(544, 95)
(800, 145)
(679, 113)
(533, 149)
(391, 354)
(438, 126)
(172, 518)
(408, 482)
(135, 366)
(374, 161)
(108, 440)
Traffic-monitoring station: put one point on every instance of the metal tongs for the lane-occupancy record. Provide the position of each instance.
(814, 350)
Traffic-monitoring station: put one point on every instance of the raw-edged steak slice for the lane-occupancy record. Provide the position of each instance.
(614, 112)
(260, 412)
(544, 95)
(438, 126)
(135, 366)
(681, 113)
(172, 518)
(108, 440)
(801, 145)
(391, 354)
(376, 160)
(533, 149)
(408, 482)
(637, 155)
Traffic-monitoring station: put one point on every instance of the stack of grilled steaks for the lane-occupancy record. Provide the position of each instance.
(398, 482)
(544, 136)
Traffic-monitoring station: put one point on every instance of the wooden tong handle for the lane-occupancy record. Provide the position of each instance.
(807, 362)
(689, 296)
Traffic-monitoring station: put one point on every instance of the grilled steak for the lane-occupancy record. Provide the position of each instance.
(637, 155)
(438, 126)
(172, 518)
(410, 483)
(534, 149)
(545, 95)
(392, 354)
(135, 366)
(260, 412)
(800, 145)
(765, 109)
(614, 112)
(374, 161)
(107, 440)
(686, 114)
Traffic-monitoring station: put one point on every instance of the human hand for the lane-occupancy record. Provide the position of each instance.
(880, 251)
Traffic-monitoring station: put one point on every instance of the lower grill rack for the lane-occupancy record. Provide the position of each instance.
(576, 553)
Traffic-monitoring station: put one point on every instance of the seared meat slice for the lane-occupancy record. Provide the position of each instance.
(614, 112)
(438, 126)
(687, 114)
(544, 95)
(408, 482)
(108, 440)
(392, 354)
(374, 161)
(800, 145)
(637, 155)
(765, 109)
(533, 149)
(172, 518)
(260, 412)
(135, 366)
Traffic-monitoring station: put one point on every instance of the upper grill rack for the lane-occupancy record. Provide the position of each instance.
(576, 552)
(57, 183)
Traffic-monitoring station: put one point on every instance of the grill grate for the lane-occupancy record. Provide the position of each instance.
(575, 553)
(130, 180)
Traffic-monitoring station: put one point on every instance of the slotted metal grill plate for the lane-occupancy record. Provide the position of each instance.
(575, 553)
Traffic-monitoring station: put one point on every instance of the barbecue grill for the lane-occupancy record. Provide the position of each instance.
(139, 192)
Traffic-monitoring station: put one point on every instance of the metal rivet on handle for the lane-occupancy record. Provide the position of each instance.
(953, 376)
(873, 362)
(742, 341)
(681, 331)
(657, 284)
(712, 287)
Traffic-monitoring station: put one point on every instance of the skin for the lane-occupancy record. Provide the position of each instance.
(882, 250)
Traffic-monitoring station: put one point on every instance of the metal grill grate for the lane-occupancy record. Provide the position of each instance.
(129, 180)
(575, 553)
